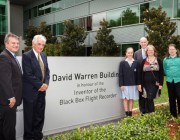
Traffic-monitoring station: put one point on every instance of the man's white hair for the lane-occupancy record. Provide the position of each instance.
(43, 38)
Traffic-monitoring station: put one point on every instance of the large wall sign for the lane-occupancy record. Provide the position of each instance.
(82, 91)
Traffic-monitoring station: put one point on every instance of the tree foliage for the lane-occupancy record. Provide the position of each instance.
(52, 49)
(105, 45)
(72, 42)
(42, 29)
(160, 29)
(129, 17)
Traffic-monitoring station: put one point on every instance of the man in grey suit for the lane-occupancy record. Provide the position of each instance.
(140, 55)
(10, 87)
(35, 83)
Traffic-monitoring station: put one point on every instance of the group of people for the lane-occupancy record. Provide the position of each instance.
(141, 77)
(28, 83)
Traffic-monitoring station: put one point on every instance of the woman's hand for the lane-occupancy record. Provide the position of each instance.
(139, 88)
(160, 87)
(121, 88)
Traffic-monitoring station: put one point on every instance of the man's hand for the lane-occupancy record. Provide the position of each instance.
(44, 87)
(12, 102)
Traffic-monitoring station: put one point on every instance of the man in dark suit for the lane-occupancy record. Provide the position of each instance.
(35, 83)
(140, 55)
(10, 87)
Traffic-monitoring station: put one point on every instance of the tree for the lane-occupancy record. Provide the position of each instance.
(42, 29)
(72, 42)
(160, 30)
(129, 17)
(105, 45)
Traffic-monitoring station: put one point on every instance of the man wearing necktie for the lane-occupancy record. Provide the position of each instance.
(140, 55)
(35, 83)
(10, 87)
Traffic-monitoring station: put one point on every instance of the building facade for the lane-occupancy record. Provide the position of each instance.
(3, 20)
(125, 17)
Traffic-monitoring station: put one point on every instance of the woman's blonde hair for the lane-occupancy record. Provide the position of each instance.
(151, 46)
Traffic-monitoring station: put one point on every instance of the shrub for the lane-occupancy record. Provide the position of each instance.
(147, 127)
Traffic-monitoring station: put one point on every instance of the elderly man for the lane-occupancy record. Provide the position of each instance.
(140, 55)
(35, 83)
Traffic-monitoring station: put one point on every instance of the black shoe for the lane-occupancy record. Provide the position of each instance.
(127, 113)
(130, 113)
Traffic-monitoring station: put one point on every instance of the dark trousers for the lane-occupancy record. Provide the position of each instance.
(7, 123)
(146, 105)
(34, 117)
(174, 97)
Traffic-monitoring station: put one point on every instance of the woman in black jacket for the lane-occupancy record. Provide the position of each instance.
(151, 73)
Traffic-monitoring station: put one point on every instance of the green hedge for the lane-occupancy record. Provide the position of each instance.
(148, 127)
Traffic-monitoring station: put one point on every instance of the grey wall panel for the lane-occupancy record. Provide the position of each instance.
(103, 5)
(128, 33)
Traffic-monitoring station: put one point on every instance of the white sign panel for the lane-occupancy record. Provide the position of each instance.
(82, 91)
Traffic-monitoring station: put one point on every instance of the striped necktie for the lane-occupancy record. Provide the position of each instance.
(17, 62)
(41, 66)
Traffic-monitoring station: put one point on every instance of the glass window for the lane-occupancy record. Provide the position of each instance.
(177, 8)
(40, 10)
(143, 7)
(57, 5)
(0, 24)
(89, 23)
(82, 22)
(154, 4)
(47, 7)
(96, 18)
(130, 15)
(167, 6)
(68, 3)
(2, 10)
(114, 18)
(80, 1)
(54, 29)
(60, 29)
(34, 12)
(4, 24)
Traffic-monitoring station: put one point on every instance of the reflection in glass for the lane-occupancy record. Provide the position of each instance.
(114, 18)
(130, 16)
(60, 29)
(167, 7)
(143, 7)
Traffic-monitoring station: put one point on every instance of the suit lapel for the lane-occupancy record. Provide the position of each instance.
(140, 53)
(13, 61)
(35, 61)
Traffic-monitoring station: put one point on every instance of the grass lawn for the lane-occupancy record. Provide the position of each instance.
(162, 99)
